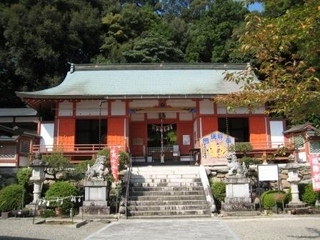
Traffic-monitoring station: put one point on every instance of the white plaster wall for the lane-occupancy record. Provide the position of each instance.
(276, 133)
(185, 116)
(118, 108)
(143, 103)
(65, 108)
(47, 136)
(206, 107)
(91, 108)
(137, 117)
(221, 109)
(181, 103)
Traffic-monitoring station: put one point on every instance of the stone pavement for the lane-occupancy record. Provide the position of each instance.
(274, 227)
(270, 227)
(165, 229)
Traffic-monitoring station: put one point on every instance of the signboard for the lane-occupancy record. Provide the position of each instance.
(214, 148)
(114, 162)
(268, 172)
(315, 172)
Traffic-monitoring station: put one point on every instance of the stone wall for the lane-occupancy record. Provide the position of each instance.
(219, 174)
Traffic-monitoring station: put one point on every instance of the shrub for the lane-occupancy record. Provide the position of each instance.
(57, 163)
(59, 194)
(77, 172)
(48, 213)
(307, 194)
(105, 152)
(11, 197)
(273, 198)
(218, 191)
(124, 160)
(23, 176)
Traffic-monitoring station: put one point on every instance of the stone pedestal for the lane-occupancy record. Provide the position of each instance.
(237, 194)
(95, 203)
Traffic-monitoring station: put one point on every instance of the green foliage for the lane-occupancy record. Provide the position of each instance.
(23, 177)
(249, 160)
(57, 163)
(48, 213)
(77, 171)
(218, 190)
(272, 198)
(60, 190)
(105, 152)
(307, 194)
(282, 43)
(241, 147)
(11, 197)
(124, 160)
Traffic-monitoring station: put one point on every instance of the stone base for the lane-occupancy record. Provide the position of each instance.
(95, 208)
(97, 211)
(238, 204)
(298, 208)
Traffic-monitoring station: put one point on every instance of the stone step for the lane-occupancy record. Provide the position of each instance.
(166, 184)
(167, 202)
(166, 188)
(167, 169)
(167, 198)
(165, 193)
(165, 180)
(165, 176)
(173, 213)
(167, 208)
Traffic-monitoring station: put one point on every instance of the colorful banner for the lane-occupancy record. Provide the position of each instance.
(114, 162)
(315, 172)
(215, 148)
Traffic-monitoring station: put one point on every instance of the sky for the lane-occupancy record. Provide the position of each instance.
(255, 7)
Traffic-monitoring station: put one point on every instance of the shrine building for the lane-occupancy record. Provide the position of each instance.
(149, 110)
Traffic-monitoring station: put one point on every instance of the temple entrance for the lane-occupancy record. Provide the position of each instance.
(162, 143)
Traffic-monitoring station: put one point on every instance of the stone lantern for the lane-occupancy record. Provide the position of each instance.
(293, 178)
(38, 176)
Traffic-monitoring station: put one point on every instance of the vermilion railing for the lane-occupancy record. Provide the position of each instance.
(92, 148)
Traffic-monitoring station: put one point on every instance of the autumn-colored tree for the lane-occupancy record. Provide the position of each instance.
(286, 50)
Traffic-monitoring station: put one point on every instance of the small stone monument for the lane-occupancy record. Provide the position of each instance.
(96, 191)
(237, 187)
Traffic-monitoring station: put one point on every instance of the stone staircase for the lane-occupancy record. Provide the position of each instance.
(167, 192)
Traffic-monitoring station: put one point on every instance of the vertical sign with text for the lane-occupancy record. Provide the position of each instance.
(315, 172)
(114, 162)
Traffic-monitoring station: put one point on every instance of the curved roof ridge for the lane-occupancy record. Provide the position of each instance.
(159, 66)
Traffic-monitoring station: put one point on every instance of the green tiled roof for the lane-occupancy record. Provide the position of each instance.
(141, 81)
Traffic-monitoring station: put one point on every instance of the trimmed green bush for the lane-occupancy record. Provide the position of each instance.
(307, 194)
(11, 197)
(272, 198)
(57, 194)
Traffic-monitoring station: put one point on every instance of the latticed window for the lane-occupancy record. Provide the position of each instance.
(314, 146)
(25, 146)
(298, 141)
(8, 151)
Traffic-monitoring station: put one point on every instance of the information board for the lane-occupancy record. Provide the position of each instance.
(268, 172)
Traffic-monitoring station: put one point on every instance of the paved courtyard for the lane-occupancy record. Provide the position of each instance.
(247, 228)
